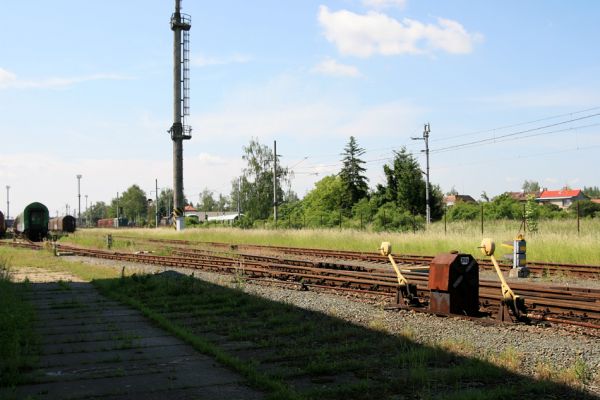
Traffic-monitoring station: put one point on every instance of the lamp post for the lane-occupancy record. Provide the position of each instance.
(7, 202)
(79, 199)
(87, 217)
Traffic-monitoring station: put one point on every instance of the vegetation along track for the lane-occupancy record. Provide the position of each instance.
(536, 267)
(560, 304)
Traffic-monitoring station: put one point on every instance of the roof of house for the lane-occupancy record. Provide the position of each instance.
(597, 201)
(459, 197)
(522, 196)
(560, 194)
(189, 208)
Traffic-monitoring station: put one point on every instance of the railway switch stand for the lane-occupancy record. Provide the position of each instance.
(407, 292)
(454, 284)
(512, 307)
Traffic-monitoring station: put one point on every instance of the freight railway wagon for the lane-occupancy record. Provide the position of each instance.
(112, 222)
(2, 224)
(62, 224)
(32, 222)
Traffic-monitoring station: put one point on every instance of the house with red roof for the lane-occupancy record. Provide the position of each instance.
(562, 198)
(452, 199)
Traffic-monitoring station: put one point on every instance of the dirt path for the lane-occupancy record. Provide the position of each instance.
(94, 347)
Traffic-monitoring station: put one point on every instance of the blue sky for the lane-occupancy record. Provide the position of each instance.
(85, 88)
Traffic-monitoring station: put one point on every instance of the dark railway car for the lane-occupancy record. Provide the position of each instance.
(32, 222)
(62, 224)
(2, 224)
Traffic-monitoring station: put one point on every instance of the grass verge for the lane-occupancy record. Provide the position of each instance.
(18, 344)
(552, 245)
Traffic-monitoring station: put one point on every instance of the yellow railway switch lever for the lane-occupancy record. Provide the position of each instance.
(407, 292)
(509, 299)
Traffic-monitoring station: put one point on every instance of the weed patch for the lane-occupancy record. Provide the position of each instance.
(18, 344)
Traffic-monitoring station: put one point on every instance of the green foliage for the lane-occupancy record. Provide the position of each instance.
(531, 187)
(462, 211)
(326, 196)
(592, 191)
(405, 187)
(404, 183)
(192, 220)
(532, 213)
(390, 217)
(504, 207)
(587, 208)
(352, 175)
(95, 212)
(256, 185)
(207, 201)
(18, 344)
(133, 204)
(365, 209)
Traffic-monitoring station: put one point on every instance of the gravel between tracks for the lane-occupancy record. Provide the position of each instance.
(557, 347)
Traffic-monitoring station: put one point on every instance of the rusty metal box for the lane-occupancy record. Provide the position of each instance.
(454, 284)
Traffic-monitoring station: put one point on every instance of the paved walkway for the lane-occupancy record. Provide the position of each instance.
(93, 347)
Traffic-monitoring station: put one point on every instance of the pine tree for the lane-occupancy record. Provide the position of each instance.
(352, 174)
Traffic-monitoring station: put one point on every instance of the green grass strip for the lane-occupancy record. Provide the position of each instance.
(19, 346)
(276, 389)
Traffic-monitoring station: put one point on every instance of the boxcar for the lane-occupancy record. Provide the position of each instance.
(112, 222)
(62, 224)
(2, 224)
(32, 222)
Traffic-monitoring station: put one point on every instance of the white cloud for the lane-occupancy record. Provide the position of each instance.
(9, 80)
(204, 61)
(381, 4)
(376, 33)
(331, 67)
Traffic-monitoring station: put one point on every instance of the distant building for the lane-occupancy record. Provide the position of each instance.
(213, 215)
(562, 198)
(452, 199)
(522, 196)
(597, 201)
(189, 210)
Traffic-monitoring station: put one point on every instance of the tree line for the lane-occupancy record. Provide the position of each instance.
(341, 199)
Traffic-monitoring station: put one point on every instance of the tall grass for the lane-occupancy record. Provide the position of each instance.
(18, 344)
(557, 240)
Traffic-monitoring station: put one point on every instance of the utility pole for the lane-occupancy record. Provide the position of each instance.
(275, 182)
(7, 202)
(426, 130)
(180, 25)
(79, 199)
(118, 207)
(156, 197)
(87, 216)
(239, 195)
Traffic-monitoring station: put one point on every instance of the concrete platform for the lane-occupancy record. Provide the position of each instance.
(93, 347)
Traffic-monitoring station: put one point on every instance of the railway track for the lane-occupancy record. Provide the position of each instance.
(536, 267)
(557, 304)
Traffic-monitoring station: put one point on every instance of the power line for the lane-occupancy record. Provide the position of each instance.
(515, 125)
(496, 138)
(489, 161)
